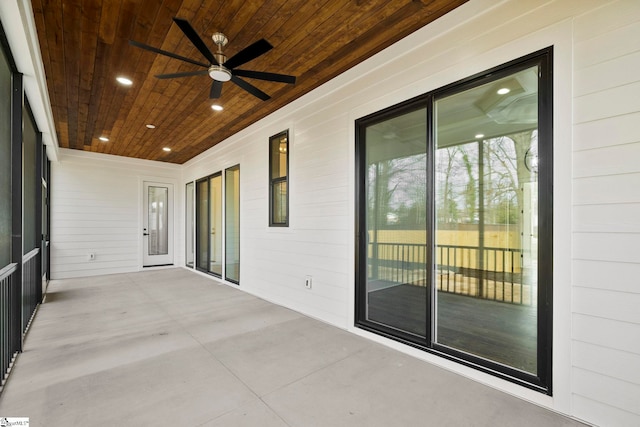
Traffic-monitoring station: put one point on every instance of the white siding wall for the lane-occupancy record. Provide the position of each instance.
(596, 193)
(606, 216)
(96, 207)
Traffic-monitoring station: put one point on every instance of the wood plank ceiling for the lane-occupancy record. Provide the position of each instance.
(85, 46)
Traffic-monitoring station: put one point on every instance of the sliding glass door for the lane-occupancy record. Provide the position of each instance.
(215, 225)
(486, 216)
(209, 224)
(395, 188)
(454, 221)
(218, 236)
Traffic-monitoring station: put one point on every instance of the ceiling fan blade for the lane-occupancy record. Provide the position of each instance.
(216, 90)
(248, 53)
(165, 53)
(250, 88)
(191, 34)
(185, 74)
(272, 77)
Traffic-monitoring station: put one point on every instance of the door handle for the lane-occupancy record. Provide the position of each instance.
(145, 234)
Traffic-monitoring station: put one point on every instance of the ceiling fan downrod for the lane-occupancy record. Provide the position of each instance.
(219, 72)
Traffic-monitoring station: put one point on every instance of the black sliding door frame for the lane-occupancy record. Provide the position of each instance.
(199, 242)
(541, 379)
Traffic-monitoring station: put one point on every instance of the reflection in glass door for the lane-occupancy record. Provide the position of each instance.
(209, 224)
(215, 225)
(486, 216)
(395, 218)
(189, 224)
(232, 224)
(202, 224)
(454, 221)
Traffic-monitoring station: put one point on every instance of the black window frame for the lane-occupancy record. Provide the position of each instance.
(542, 382)
(227, 215)
(198, 243)
(273, 182)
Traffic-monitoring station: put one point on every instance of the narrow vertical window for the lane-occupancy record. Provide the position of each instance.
(232, 224)
(189, 224)
(279, 180)
(202, 224)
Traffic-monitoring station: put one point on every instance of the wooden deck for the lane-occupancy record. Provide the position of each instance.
(502, 332)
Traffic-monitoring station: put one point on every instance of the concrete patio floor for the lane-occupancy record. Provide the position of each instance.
(171, 347)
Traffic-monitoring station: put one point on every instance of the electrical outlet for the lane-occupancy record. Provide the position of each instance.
(307, 282)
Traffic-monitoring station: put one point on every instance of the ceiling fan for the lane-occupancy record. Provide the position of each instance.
(221, 69)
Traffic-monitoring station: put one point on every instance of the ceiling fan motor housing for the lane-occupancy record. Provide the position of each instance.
(219, 73)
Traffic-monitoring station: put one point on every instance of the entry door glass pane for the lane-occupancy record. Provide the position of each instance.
(232, 223)
(158, 216)
(486, 216)
(215, 224)
(396, 222)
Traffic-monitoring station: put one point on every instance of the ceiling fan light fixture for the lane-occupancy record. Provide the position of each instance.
(219, 73)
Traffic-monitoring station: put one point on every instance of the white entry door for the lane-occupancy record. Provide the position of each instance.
(157, 223)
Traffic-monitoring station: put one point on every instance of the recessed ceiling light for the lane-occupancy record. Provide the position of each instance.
(480, 135)
(103, 138)
(503, 91)
(167, 149)
(217, 107)
(150, 126)
(124, 81)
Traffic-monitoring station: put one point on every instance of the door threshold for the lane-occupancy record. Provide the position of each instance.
(158, 265)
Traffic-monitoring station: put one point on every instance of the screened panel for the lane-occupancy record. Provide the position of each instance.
(5, 160)
(30, 183)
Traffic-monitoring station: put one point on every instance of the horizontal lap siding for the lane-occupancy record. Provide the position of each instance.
(95, 208)
(606, 216)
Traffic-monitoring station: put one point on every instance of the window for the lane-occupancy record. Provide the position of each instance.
(279, 180)
(454, 217)
(232, 223)
(189, 224)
